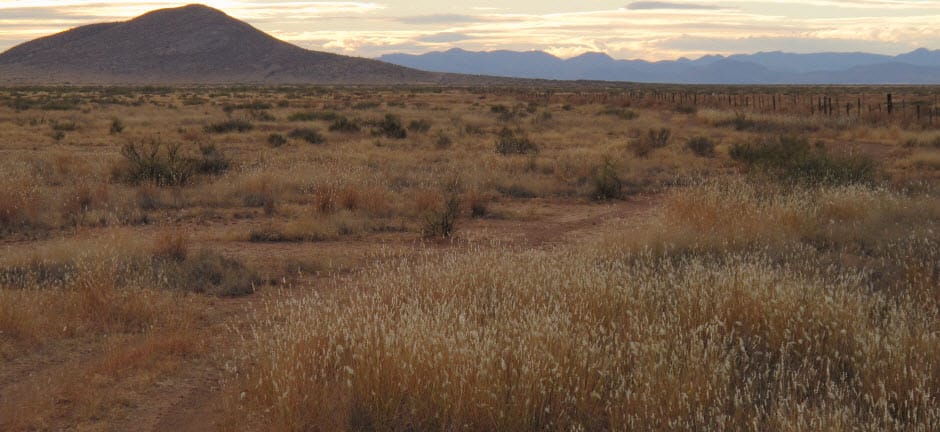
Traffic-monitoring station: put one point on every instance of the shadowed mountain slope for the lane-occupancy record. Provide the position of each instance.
(189, 45)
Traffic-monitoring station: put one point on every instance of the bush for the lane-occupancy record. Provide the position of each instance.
(345, 125)
(213, 160)
(314, 115)
(621, 113)
(793, 159)
(229, 126)
(311, 136)
(390, 127)
(442, 141)
(658, 138)
(276, 140)
(208, 272)
(117, 126)
(64, 126)
(510, 142)
(419, 126)
(443, 222)
(686, 109)
(702, 146)
(159, 164)
(607, 185)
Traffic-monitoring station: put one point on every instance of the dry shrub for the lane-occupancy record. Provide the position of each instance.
(427, 200)
(325, 199)
(259, 191)
(172, 245)
(349, 198)
(478, 203)
(20, 208)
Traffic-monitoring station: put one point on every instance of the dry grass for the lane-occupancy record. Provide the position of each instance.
(735, 303)
(742, 327)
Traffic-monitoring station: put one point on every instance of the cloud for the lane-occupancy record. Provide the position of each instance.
(439, 19)
(789, 44)
(444, 38)
(659, 5)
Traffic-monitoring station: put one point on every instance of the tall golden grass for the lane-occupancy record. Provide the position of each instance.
(628, 334)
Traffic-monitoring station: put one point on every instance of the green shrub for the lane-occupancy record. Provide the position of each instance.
(311, 136)
(607, 185)
(390, 127)
(345, 125)
(229, 126)
(794, 159)
(509, 142)
(702, 146)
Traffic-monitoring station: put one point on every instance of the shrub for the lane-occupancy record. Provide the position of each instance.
(419, 126)
(621, 113)
(210, 273)
(792, 158)
(313, 115)
(607, 185)
(702, 146)
(478, 204)
(229, 126)
(658, 138)
(640, 147)
(262, 115)
(686, 109)
(171, 245)
(345, 125)
(276, 140)
(117, 126)
(442, 223)
(159, 164)
(311, 136)
(64, 126)
(213, 160)
(442, 141)
(390, 127)
(510, 142)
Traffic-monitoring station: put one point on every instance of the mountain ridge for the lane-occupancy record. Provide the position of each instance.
(921, 66)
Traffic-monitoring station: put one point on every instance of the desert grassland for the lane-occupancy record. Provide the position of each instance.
(786, 276)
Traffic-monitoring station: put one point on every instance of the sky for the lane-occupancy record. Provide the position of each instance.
(625, 29)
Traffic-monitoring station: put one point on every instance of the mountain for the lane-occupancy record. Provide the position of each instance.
(918, 67)
(189, 45)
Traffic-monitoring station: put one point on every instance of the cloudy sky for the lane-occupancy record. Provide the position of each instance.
(653, 30)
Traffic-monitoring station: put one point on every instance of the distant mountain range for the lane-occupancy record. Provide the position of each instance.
(190, 45)
(921, 66)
